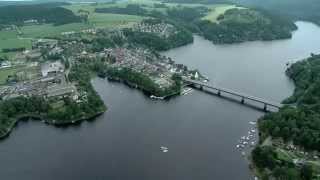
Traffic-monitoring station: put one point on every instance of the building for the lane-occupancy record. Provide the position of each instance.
(49, 68)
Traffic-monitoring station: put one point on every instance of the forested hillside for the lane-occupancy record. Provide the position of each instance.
(299, 126)
(239, 25)
(235, 25)
(42, 13)
(298, 9)
(308, 10)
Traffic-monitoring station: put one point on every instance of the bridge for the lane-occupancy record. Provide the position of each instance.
(220, 91)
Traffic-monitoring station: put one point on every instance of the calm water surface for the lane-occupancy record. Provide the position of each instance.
(200, 130)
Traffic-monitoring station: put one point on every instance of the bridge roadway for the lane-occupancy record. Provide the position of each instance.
(231, 92)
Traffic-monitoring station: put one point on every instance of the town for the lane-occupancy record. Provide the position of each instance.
(58, 71)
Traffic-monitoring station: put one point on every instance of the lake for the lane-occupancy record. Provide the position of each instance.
(200, 130)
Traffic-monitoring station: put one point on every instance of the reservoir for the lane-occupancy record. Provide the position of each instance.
(200, 131)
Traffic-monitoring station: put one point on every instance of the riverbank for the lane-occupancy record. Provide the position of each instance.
(162, 95)
(294, 148)
(43, 118)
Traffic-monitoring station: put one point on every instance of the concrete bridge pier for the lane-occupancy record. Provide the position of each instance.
(265, 108)
(242, 100)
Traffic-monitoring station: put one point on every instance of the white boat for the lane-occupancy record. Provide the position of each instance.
(164, 149)
(156, 97)
(186, 91)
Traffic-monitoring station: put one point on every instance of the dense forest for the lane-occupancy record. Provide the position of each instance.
(143, 81)
(308, 10)
(130, 9)
(300, 124)
(42, 13)
(153, 41)
(198, 1)
(239, 25)
(235, 25)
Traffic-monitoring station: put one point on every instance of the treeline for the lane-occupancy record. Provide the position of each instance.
(6, 50)
(279, 167)
(141, 80)
(300, 124)
(198, 1)
(308, 10)
(158, 43)
(12, 108)
(235, 25)
(130, 9)
(133, 78)
(42, 13)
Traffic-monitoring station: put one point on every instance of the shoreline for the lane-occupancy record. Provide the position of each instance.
(47, 121)
(136, 86)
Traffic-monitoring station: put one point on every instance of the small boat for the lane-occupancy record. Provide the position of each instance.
(164, 149)
(186, 91)
(156, 97)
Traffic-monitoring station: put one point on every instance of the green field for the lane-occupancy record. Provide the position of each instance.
(102, 20)
(5, 72)
(217, 10)
(10, 39)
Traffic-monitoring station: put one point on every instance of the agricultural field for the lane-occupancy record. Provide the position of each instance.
(100, 20)
(10, 39)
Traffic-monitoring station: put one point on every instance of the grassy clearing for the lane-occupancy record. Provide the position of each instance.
(5, 72)
(29, 72)
(48, 30)
(285, 155)
(9, 39)
(217, 10)
(112, 20)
